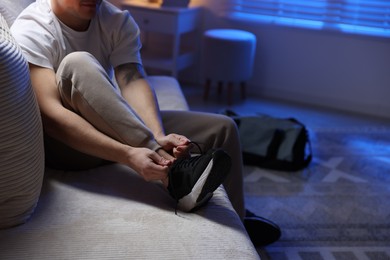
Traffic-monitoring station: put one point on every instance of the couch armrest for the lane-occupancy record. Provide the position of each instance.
(169, 93)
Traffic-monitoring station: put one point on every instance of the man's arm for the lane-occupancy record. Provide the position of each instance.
(73, 130)
(138, 93)
(141, 97)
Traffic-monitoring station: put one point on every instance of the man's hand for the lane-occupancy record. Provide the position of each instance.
(175, 145)
(149, 164)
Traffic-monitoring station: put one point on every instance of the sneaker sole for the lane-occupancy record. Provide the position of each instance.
(212, 177)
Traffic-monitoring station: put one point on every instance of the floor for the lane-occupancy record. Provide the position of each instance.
(334, 208)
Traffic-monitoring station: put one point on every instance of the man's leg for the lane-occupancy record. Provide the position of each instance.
(217, 131)
(212, 131)
(86, 88)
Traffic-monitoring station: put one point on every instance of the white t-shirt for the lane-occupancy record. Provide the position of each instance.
(112, 37)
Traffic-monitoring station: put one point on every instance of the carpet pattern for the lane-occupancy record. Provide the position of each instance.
(338, 207)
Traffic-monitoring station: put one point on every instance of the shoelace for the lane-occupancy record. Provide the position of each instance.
(179, 164)
(198, 146)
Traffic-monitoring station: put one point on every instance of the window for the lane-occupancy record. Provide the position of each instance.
(370, 17)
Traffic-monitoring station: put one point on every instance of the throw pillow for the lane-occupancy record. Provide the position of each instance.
(21, 138)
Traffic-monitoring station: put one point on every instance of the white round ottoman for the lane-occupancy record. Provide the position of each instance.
(228, 56)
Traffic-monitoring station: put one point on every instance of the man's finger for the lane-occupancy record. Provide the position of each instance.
(162, 157)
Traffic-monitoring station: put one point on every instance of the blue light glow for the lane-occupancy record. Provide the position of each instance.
(349, 16)
(279, 20)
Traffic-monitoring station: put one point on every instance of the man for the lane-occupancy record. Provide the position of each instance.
(97, 107)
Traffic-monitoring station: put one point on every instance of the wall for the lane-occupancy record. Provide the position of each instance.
(347, 72)
(117, 3)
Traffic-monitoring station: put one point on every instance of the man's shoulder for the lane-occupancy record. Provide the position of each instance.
(114, 21)
(112, 13)
(36, 16)
(38, 34)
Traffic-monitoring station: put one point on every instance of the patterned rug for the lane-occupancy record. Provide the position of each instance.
(337, 208)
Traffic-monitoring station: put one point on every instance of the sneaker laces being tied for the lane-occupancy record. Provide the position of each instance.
(198, 146)
(188, 163)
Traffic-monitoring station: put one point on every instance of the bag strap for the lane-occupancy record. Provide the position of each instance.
(230, 113)
(310, 156)
(273, 147)
(305, 135)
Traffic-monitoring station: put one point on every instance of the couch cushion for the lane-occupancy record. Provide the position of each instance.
(21, 142)
(110, 212)
(169, 93)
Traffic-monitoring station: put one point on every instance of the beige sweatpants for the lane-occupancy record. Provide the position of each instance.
(86, 89)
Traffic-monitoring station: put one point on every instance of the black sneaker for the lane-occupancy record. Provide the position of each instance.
(193, 180)
(261, 231)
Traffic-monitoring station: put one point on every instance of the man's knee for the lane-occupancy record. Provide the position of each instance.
(76, 71)
(78, 61)
(228, 123)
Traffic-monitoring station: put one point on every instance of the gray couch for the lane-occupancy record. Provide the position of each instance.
(103, 213)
